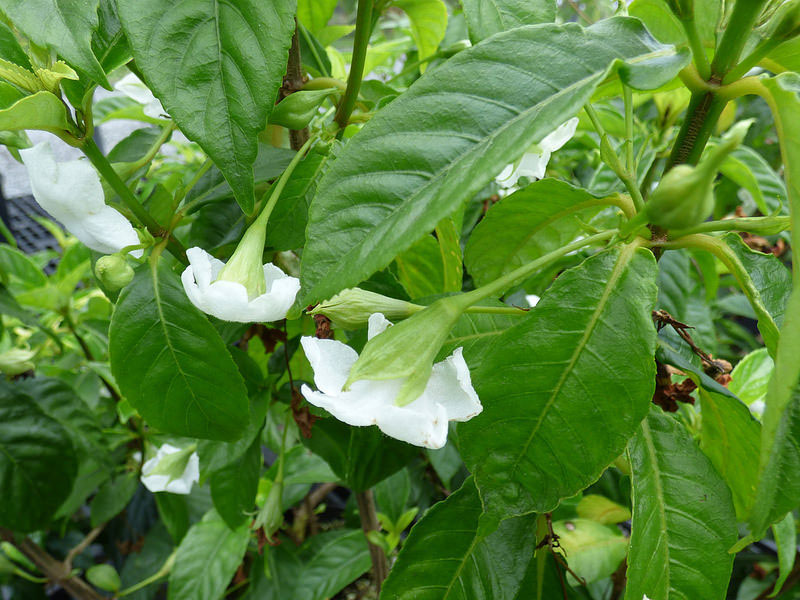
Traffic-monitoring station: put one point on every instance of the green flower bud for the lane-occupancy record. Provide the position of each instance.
(351, 308)
(297, 109)
(105, 577)
(11, 551)
(685, 196)
(270, 517)
(409, 348)
(16, 361)
(113, 271)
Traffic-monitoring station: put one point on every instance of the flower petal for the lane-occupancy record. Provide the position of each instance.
(533, 165)
(424, 425)
(136, 90)
(450, 386)
(559, 136)
(376, 324)
(331, 361)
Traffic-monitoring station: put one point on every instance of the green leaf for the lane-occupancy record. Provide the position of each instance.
(750, 377)
(141, 565)
(317, 570)
(18, 270)
(428, 24)
(564, 390)
(475, 332)
(487, 17)
(592, 550)
(206, 560)
(315, 14)
(391, 495)
(171, 364)
(771, 286)
(361, 456)
(37, 462)
(10, 49)
(683, 517)
(731, 437)
(41, 110)
(439, 143)
(420, 269)
(785, 532)
(66, 26)
(234, 488)
(173, 512)
(665, 26)
(449, 238)
(602, 510)
(112, 497)
(778, 490)
(216, 67)
(449, 555)
(536, 220)
(749, 170)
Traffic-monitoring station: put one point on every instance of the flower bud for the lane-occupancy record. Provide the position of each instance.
(351, 308)
(407, 350)
(104, 577)
(16, 361)
(113, 271)
(297, 109)
(270, 517)
(685, 196)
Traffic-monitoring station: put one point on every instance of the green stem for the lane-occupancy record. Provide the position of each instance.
(197, 176)
(324, 83)
(743, 18)
(497, 310)
(101, 163)
(25, 575)
(752, 59)
(153, 150)
(360, 44)
(162, 572)
(627, 95)
(517, 276)
(310, 45)
(705, 108)
(759, 225)
(697, 47)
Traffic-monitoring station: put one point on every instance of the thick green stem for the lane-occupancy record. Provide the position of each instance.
(698, 50)
(517, 276)
(752, 59)
(759, 225)
(360, 44)
(102, 164)
(743, 18)
(704, 110)
(630, 161)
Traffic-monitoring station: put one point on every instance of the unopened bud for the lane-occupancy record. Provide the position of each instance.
(113, 271)
(351, 308)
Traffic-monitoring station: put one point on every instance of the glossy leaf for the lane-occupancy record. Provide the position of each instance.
(361, 456)
(317, 570)
(594, 551)
(683, 517)
(171, 364)
(206, 560)
(449, 556)
(420, 269)
(785, 533)
(778, 492)
(112, 497)
(41, 110)
(527, 224)
(454, 130)
(234, 488)
(10, 49)
(216, 67)
(565, 389)
(487, 17)
(66, 26)
(37, 462)
(731, 438)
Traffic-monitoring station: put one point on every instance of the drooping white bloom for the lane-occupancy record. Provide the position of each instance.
(171, 470)
(72, 193)
(533, 163)
(448, 396)
(228, 300)
(136, 90)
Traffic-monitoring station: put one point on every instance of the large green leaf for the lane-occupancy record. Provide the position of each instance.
(361, 456)
(41, 110)
(216, 66)
(428, 24)
(533, 221)
(565, 389)
(37, 462)
(207, 559)
(778, 489)
(317, 570)
(439, 143)
(487, 17)
(449, 556)
(171, 364)
(683, 517)
(63, 25)
(663, 23)
(234, 488)
(731, 437)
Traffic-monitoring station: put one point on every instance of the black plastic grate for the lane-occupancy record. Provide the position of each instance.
(31, 236)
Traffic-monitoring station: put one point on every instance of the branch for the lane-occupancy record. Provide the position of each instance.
(360, 44)
(369, 522)
(292, 82)
(54, 570)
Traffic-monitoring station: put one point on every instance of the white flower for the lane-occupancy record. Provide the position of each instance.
(72, 193)
(228, 300)
(135, 89)
(448, 396)
(533, 163)
(532, 299)
(171, 470)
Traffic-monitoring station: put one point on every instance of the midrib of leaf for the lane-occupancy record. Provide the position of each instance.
(221, 71)
(488, 140)
(616, 273)
(461, 564)
(221, 540)
(163, 322)
(651, 450)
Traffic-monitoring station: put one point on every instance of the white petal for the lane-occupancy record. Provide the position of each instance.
(331, 361)
(532, 299)
(421, 425)
(533, 165)
(135, 89)
(450, 386)
(72, 193)
(227, 300)
(377, 324)
(155, 483)
(560, 136)
(361, 406)
(163, 483)
(508, 176)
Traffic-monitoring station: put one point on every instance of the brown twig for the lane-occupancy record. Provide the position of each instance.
(304, 514)
(369, 522)
(76, 551)
(53, 569)
(292, 82)
(663, 318)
